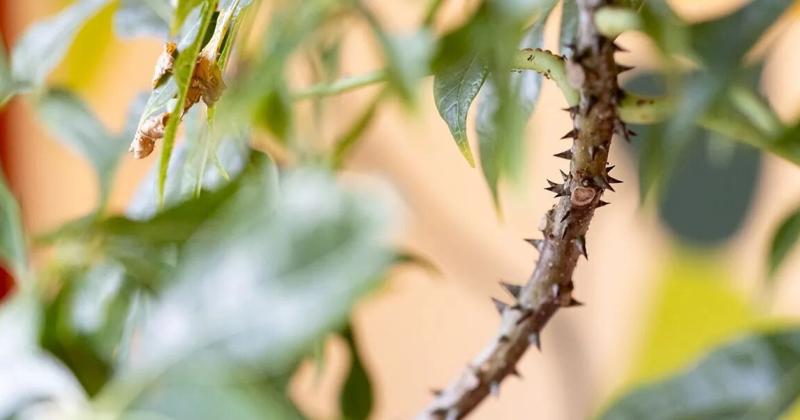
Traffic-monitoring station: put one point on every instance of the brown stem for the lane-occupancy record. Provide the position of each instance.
(594, 72)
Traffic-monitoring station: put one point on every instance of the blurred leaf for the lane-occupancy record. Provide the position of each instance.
(72, 122)
(345, 143)
(275, 267)
(569, 26)
(59, 336)
(507, 101)
(407, 57)
(44, 44)
(136, 18)
(355, 397)
(182, 10)
(721, 43)
(13, 251)
(757, 377)
(783, 240)
(203, 392)
(182, 74)
(31, 378)
(6, 81)
(454, 89)
(707, 197)
(324, 250)
(276, 111)
(260, 93)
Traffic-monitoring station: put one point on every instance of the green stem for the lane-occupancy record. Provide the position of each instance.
(341, 85)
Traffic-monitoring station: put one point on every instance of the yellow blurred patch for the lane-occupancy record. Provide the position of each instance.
(84, 60)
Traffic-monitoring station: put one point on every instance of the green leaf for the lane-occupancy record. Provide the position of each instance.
(757, 377)
(137, 18)
(324, 248)
(275, 266)
(44, 44)
(182, 10)
(783, 240)
(569, 26)
(355, 397)
(31, 379)
(708, 195)
(454, 89)
(72, 122)
(345, 143)
(407, 57)
(721, 43)
(507, 101)
(13, 252)
(184, 68)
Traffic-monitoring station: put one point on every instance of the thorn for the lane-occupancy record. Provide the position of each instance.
(631, 132)
(580, 243)
(535, 340)
(590, 102)
(592, 152)
(514, 372)
(574, 302)
(536, 243)
(504, 339)
(609, 168)
(622, 68)
(436, 392)
(573, 110)
(499, 305)
(602, 183)
(494, 389)
(601, 203)
(617, 48)
(612, 180)
(621, 130)
(556, 188)
(565, 216)
(566, 154)
(564, 175)
(571, 134)
(512, 289)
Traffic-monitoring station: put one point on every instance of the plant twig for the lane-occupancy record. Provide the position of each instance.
(564, 227)
(341, 85)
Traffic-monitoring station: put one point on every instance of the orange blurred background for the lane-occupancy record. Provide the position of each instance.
(652, 305)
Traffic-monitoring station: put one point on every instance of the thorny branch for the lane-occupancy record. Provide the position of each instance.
(593, 72)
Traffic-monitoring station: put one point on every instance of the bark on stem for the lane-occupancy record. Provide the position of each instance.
(594, 72)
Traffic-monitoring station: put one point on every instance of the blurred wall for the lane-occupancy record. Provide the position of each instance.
(423, 327)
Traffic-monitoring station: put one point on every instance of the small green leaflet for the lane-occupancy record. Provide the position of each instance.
(44, 44)
(783, 241)
(454, 89)
(135, 18)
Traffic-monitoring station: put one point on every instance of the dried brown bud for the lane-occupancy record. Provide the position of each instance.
(151, 130)
(165, 63)
(207, 79)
